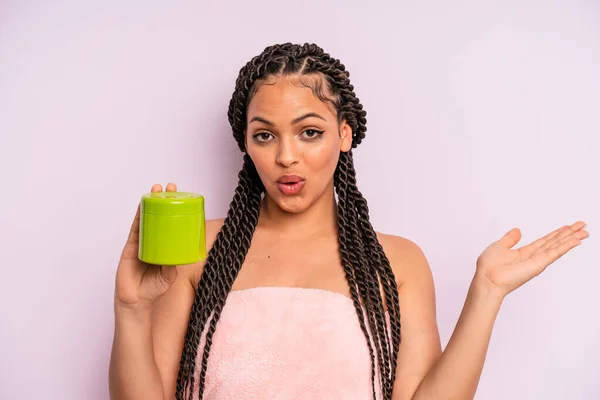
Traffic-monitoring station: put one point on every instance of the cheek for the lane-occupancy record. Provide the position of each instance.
(322, 158)
(259, 157)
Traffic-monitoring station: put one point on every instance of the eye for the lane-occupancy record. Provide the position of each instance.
(262, 136)
(312, 133)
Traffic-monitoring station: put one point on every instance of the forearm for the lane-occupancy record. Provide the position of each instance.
(456, 374)
(133, 373)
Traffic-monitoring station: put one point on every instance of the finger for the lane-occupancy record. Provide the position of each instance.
(156, 188)
(557, 251)
(561, 247)
(171, 187)
(527, 251)
(511, 238)
(563, 233)
(168, 273)
(574, 237)
(581, 235)
(579, 225)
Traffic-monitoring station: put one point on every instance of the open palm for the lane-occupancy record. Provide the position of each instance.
(507, 269)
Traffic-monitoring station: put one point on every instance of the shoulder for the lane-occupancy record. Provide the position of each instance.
(193, 272)
(213, 226)
(407, 259)
(420, 347)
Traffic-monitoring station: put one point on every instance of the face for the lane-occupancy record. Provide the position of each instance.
(294, 140)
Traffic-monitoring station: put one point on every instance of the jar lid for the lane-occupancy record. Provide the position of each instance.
(172, 203)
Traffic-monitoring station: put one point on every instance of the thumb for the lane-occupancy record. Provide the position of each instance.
(511, 238)
(134, 231)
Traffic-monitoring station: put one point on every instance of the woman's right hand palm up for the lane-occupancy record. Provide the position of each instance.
(138, 284)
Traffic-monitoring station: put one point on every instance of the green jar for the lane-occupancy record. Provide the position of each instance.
(172, 228)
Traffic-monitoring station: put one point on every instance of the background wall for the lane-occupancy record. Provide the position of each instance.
(481, 117)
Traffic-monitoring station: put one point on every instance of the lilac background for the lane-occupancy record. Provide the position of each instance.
(481, 117)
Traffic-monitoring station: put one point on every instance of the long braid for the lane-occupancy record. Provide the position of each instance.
(368, 274)
(346, 252)
(381, 262)
(379, 272)
(366, 266)
(239, 249)
(222, 265)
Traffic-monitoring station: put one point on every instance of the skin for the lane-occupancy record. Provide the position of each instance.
(295, 245)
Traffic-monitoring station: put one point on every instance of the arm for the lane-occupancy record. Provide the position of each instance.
(456, 374)
(133, 373)
(423, 371)
(148, 342)
(147, 345)
(500, 270)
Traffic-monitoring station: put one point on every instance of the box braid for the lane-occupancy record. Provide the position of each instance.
(365, 264)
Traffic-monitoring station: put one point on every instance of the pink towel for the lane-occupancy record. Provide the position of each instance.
(288, 344)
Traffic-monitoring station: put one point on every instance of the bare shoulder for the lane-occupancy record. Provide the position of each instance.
(420, 347)
(193, 272)
(407, 259)
(213, 226)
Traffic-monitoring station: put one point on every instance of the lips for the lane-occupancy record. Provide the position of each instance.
(290, 179)
(290, 184)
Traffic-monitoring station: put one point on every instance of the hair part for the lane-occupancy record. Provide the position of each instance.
(370, 278)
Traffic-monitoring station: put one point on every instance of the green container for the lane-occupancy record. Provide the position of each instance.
(172, 228)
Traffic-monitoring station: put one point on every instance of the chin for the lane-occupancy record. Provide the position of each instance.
(292, 205)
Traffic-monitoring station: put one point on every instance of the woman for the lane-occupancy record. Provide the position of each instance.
(299, 298)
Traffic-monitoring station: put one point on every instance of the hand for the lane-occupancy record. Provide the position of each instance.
(138, 284)
(507, 269)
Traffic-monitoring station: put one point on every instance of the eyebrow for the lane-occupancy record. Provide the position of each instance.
(294, 122)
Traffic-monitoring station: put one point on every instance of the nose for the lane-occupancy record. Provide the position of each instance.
(288, 153)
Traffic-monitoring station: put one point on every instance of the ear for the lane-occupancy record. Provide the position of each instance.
(345, 136)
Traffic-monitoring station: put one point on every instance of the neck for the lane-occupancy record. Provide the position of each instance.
(317, 220)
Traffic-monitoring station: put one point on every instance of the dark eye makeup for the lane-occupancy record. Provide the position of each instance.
(309, 134)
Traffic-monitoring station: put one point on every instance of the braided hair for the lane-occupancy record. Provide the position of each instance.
(365, 264)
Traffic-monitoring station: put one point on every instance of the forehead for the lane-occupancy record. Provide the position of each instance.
(285, 97)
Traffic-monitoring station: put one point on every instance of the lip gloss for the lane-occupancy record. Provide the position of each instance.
(290, 188)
